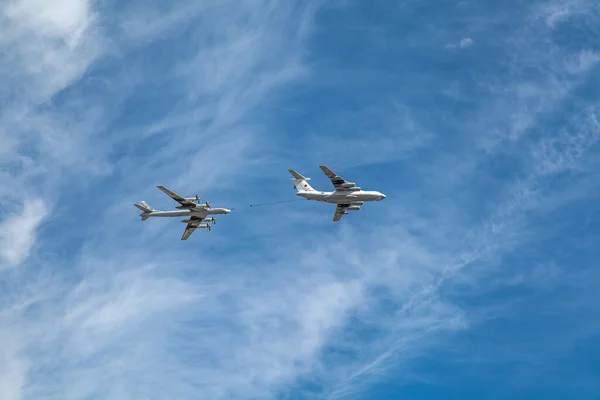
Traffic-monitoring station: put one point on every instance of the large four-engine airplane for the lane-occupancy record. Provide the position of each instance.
(189, 207)
(347, 195)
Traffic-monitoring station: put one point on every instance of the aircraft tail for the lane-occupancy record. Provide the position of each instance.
(145, 208)
(300, 182)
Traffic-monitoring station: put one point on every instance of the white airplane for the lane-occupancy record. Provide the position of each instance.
(189, 207)
(347, 195)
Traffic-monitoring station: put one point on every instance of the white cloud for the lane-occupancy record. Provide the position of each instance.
(558, 71)
(423, 316)
(49, 45)
(65, 19)
(12, 369)
(132, 316)
(557, 12)
(565, 150)
(46, 47)
(463, 43)
(583, 62)
(18, 232)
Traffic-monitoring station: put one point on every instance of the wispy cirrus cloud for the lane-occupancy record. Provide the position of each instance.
(103, 314)
(45, 49)
(17, 232)
(265, 308)
(568, 147)
(462, 43)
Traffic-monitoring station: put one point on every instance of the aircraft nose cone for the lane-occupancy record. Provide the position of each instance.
(227, 211)
(382, 197)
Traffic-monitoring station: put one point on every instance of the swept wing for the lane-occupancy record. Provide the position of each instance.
(189, 229)
(339, 183)
(340, 211)
(193, 224)
(185, 203)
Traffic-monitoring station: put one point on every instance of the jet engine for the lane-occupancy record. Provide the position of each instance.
(354, 208)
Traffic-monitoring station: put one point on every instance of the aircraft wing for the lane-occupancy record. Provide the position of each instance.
(189, 229)
(181, 200)
(193, 224)
(339, 183)
(340, 211)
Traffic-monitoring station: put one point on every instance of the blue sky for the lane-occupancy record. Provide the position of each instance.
(477, 277)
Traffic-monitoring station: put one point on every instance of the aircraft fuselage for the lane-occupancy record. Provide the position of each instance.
(188, 213)
(344, 197)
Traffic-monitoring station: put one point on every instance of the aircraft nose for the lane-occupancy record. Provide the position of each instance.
(227, 211)
(382, 197)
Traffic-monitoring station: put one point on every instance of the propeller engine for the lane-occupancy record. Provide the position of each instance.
(204, 226)
(195, 199)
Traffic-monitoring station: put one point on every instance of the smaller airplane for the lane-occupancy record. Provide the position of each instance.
(189, 207)
(347, 195)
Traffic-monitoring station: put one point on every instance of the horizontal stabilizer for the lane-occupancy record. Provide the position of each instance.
(144, 207)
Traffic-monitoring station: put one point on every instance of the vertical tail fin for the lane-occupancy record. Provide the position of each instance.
(300, 182)
(145, 208)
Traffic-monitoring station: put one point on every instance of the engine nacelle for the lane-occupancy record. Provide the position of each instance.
(348, 184)
(203, 226)
(194, 221)
(352, 189)
(354, 208)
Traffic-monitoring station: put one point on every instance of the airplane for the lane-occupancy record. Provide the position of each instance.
(189, 207)
(347, 195)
